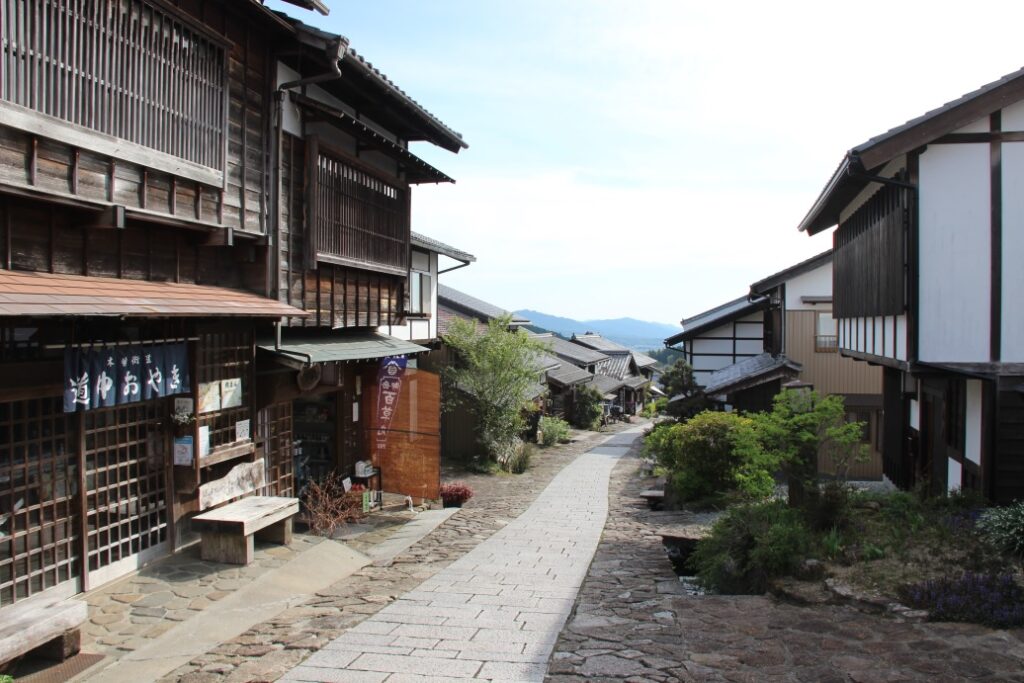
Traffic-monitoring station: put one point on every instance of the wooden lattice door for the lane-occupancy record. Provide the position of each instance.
(126, 488)
(39, 521)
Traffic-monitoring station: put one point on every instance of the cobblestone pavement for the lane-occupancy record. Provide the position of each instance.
(128, 614)
(633, 622)
(495, 613)
(268, 650)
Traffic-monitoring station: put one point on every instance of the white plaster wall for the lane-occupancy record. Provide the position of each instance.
(817, 282)
(1012, 342)
(749, 347)
(1013, 117)
(972, 426)
(954, 258)
(979, 126)
(954, 475)
(419, 329)
(702, 346)
(914, 416)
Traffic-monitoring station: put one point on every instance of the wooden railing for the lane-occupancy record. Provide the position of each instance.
(359, 219)
(125, 68)
(826, 343)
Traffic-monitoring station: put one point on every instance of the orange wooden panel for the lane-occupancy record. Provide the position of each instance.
(408, 450)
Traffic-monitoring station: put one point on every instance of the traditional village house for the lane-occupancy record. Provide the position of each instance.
(783, 334)
(627, 374)
(344, 253)
(576, 367)
(147, 185)
(928, 249)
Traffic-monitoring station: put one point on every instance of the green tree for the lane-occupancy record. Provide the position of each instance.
(679, 381)
(586, 408)
(801, 425)
(494, 369)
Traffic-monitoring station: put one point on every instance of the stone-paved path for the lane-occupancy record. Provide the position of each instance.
(270, 649)
(495, 613)
(633, 622)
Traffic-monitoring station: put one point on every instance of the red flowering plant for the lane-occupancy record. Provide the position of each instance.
(455, 494)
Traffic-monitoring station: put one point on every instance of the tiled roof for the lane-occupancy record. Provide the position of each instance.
(470, 304)
(848, 179)
(49, 294)
(599, 343)
(574, 353)
(430, 244)
(643, 360)
(751, 372)
(618, 366)
(606, 385)
(772, 281)
(568, 374)
(443, 135)
(730, 310)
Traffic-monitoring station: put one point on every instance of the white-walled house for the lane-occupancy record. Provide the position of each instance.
(928, 255)
(425, 264)
(784, 332)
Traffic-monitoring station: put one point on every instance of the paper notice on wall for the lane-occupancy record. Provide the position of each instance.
(204, 441)
(183, 449)
(231, 392)
(209, 397)
(242, 430)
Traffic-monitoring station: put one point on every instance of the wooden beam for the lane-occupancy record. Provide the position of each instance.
(225, 237)
(110, 217)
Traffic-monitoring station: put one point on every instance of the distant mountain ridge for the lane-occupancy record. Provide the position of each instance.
(639, 335)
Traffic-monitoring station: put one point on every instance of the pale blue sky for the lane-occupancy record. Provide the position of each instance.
(653, 158)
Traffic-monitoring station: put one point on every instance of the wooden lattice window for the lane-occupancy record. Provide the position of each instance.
(276, 432)
(358, 219)
(225, 355)
(38, 491)
(125, 477)
(131, 69)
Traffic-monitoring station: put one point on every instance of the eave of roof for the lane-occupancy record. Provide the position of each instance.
(416, 170)
(772, 281)
(453, 298)
(439, 247)
(711, 318)
(851, 176)
(54, 294)
(751, 372)
(431, 128)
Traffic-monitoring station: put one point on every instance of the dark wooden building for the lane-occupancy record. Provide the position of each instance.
(183, 183)
(927, 259)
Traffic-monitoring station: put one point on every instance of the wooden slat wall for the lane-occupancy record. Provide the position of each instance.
(236, 142)
(125, 68)
(358, 216)
(830, 373)
(49, 238)
(869, 276)
(339, 296)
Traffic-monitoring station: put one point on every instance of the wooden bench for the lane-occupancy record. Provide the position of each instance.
(228, 531)
(655, 498)
(49, 624)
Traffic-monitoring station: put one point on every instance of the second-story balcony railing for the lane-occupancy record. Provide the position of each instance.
(359, 219)
(826, 343)
(136, 70)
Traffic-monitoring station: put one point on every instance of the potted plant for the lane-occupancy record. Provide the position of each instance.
(453, 495)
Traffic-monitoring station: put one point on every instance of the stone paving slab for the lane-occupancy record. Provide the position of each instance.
(408, 535)
(633, 621)
(528, 572)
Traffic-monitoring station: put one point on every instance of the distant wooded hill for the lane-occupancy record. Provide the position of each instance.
(639, 335)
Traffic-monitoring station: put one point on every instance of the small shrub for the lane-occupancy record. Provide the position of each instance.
(1003, 527)
(587, 409)
(515, 459)
(455, 493)
(749, 546)
(713, 454)
(991, 599)
(329, 506)
(554, 430)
